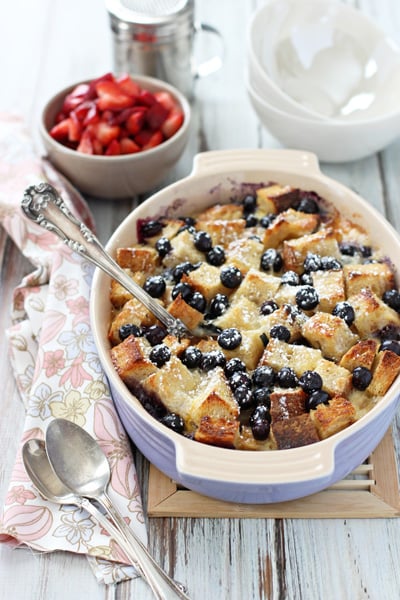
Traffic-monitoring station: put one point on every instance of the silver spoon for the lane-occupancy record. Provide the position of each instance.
(43, 205)
(81, 465)
(47, 483)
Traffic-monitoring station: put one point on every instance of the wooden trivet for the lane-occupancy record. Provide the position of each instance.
(370, 491)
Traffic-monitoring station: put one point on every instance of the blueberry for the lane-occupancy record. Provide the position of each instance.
(185, 267)
(216, 256)
(197, 301)
(271, 260)
(163, 246)
(251, 221)
(230, 338)
(249, 204)
(129, 329)
(361, 378)
(191, 357)
(155, 334)
(268, 307)
(160, 354)
(365, 251)
(260, 412)
(310, 381)
(345, 311)
(267, 220)
(290, 278)
(231, 277)
(392, 345)
(307, 298)
(347, 248)
(202, 241)
(392, 299)
(218, 305)
(261, 396)
(151, 228)
(263, 376)
(330, 263)
(189, 221)
(240, 379)
(260, 429)
(306, 279)
(286, 378)
(243, 396)
(174, 422)
(308, 204)
(280, 332)
(316, 398)
(184, 289)
(187, 227)
(211, 360)
(155, 286)
(234, 365)
(312, 262)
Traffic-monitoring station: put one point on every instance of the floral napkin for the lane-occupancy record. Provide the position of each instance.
(57, 370)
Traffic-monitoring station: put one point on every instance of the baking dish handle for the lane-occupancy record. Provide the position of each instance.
(218, 161)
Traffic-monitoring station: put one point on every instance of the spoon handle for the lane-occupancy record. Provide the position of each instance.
(164, 588)
(43, 205)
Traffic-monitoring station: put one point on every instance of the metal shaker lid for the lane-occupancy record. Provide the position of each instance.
(161, 18)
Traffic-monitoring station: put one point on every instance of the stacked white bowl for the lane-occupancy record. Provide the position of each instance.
(322, 77)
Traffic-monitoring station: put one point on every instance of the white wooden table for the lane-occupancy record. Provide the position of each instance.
(46, 45)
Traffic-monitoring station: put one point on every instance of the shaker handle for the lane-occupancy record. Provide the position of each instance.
(219, 161)
(213, 64)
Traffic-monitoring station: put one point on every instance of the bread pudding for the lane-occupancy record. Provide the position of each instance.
(304, 314)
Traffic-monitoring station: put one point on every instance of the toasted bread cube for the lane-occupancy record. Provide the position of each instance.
(177, 346)
(335, 379)
(223, 232)
(217, 431)
(206, 280)
(329, 286)
(279, 354)
(183, 249)
(250, 349)
(138, 258)
(130, 360)
(276, 198)
(385, 371)
(187, 314)
(242, 314)
(330, 418)
(286, 404)
(169, 230)
(286, 294)
(245, 254)
(258, 287)
(135, 313)
(322, 242)
(295, 432)
(171, 384)
(330, 334)
(118, 294)
(361, 354)
(221, 212)
(212, 398)
(372, 314)
(378, 277)
(289, 224)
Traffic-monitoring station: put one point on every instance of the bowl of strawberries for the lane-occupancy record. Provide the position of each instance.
(116, 136)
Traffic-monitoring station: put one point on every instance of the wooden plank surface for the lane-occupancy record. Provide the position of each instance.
(46, 45)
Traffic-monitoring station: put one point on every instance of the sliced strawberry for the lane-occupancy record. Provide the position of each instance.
(128, 86)
(74, 98)
(75, 128)
(135, 122)
(145, 98)
(97, 147)
(111, 97)
(105, 133)
(156, 115)
(167, 100)
(155, 139)
(85, 145)
(128, 146)
(172, 123)
(60, 131)
(92, 115)
(113, 148)
(92, 84)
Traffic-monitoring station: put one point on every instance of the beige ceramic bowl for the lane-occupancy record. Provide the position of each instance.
(116, 176)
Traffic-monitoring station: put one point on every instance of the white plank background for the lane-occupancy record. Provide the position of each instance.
(46, 45)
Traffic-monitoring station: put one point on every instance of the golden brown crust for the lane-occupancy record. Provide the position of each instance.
(361, 354)
(286, 404)
(295, 432)
(330, 418)
(385, 371)
(217, 431)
